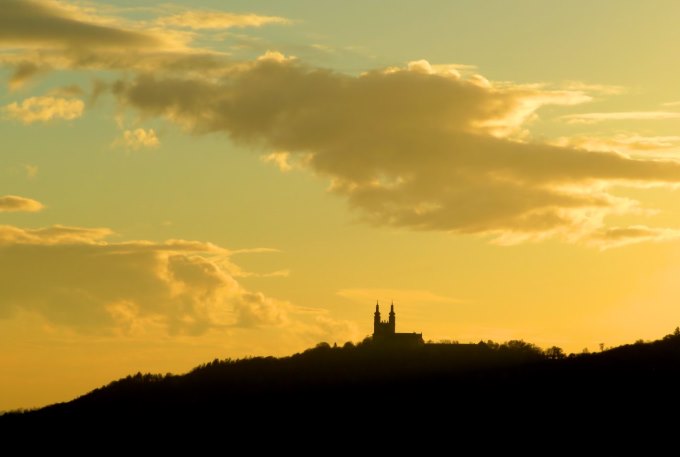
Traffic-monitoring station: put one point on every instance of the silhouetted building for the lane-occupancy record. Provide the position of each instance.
(385, 331)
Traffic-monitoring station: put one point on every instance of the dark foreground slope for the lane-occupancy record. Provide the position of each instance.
(371, 385)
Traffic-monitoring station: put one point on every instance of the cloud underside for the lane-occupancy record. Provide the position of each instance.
(48, 24)
(14, 203)
(417, 148)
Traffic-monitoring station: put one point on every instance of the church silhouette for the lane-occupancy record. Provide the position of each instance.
(385, 331)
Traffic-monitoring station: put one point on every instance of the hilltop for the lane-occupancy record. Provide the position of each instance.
(467, 381)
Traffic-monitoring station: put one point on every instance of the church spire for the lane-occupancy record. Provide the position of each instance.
(376, 319)
(393, 319)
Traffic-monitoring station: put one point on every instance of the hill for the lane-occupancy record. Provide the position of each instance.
(371, 383)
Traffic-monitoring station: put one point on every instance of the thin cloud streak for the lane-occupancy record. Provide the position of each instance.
(199, 20)
(591, 118)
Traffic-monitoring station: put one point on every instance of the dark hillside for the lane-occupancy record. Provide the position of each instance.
(466, 382)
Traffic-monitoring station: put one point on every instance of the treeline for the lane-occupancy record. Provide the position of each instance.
(366, 377)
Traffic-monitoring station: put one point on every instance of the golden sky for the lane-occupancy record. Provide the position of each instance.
(186, 181)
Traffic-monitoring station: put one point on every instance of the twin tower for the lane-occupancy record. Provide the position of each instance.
(385, 331)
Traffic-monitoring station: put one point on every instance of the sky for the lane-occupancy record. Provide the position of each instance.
(195, 180)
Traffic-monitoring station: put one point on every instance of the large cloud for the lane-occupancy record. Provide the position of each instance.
(73, 277)
(420, 147)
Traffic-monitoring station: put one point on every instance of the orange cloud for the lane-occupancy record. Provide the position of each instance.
(218, 20)
(631, 144)
(85, 282)
(13, 203)
(43, 109)
(138, 138)
(75, 278)
(591, 118)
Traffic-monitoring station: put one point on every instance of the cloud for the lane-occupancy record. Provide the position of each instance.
(39, 36)
(591, 118)
(31, 170)
(43, 109)
(605, 89)
(72, 90)
(218, 20)
(631, 144)
(139, 138)
(620, 236)
(368, 295)
(421, 147)
(425, 147)
(54, 235)
(13, 203)
(74, 277)
(325, 328)
(280, 158)
(51, 23)
(24, 71)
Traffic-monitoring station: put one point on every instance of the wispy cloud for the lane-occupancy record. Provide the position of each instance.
(31, 170)
(632, 144)
(605, 89)
(591, 118)
(370, 295)
(218, 20)
(44, 109)
(620, 236)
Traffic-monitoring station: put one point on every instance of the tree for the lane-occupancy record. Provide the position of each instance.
(554, 353)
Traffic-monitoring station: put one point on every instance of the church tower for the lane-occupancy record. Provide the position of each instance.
(393, 319)
(376, 319)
